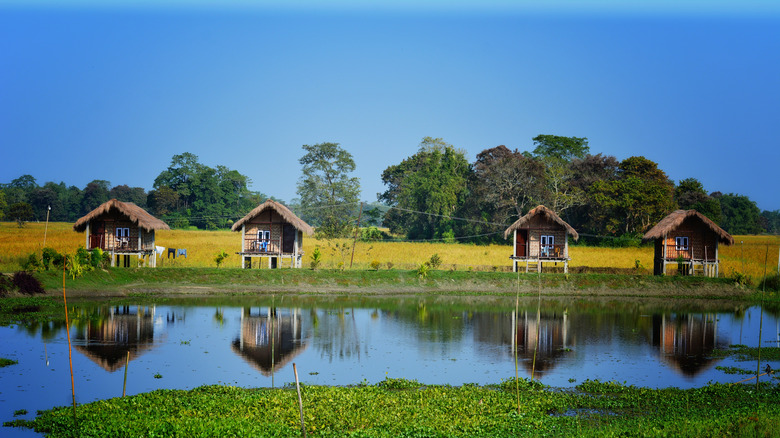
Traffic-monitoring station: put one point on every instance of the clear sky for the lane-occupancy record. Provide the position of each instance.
(113, 89)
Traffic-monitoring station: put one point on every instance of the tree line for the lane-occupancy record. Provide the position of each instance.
(434, 194)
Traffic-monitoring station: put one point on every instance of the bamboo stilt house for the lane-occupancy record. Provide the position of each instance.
(122, 229)
(540, 236)
(688, 240)
(274, 232)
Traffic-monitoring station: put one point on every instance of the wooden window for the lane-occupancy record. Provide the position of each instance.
(681, 243)
(547, 244)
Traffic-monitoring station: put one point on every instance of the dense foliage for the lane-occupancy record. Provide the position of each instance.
(402, 408)
(434, 194)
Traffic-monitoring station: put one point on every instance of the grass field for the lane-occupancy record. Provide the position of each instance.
(746, 256)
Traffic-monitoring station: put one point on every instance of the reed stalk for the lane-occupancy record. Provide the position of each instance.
(300, 400)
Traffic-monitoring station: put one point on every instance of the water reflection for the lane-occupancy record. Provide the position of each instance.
(250, 343)
(687, 341)
(106, 334)
(269, 341)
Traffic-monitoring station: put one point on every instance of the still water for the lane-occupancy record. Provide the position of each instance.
(333, 341)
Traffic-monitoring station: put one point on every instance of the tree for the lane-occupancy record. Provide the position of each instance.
(125, 193)
(427, 188)
(327, 191)
(3, 204)
(163, 200)
(689, 194)
(557, 153)
(95, 194)
(640, 196)
(740, 214)
(20, 212)
(771, 220)
(584, 173)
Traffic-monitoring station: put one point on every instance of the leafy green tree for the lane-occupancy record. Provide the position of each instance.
(163, 200)
(20, 212)
(125, 193)
(181, 176)
(557, 153)
(426, 189)
(640, 196)
(327, 192)
(740, 214)
(689, 194)
(3, 204)
(584, 173)
(95, 193)
(771, 220)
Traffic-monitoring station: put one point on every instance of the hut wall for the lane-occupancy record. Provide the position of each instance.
(539, 226)
(701, 242)
(147, 240)
(268, 220)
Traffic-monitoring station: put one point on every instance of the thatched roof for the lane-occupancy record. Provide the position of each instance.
(545, 212)
(134, 213)
(676, 218)
(283, 211)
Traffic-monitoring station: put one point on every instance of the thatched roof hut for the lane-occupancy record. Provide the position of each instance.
(689, 240)
(282, 210)
(675, 219)
(542, 212)
(134, 213)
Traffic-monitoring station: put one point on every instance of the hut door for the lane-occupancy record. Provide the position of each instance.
(96, 239)
(288, 239)
(522, 243)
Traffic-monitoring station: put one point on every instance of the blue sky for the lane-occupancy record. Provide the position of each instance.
(112, 90)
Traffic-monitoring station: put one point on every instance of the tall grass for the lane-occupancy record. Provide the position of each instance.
(202, 246)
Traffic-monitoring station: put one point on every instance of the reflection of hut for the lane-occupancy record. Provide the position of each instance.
(269, 342)
(121, 228)
(689, 240)
(110, 335)
(540, 236)
(686, 341)
(271, 230)
(518, 332)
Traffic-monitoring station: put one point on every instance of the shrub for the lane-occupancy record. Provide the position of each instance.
(316, 258)
(5, 285)
(435, 261)
(390, 265)
(32, 263)
(422, 270)
(51, 258)
(220, 257)
(375, 265)
(740, 278)
(371, 233)
(99, 259)
(27, 283)
(771, 283)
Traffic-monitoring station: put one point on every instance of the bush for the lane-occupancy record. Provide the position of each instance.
(5, 285)
(435, 261)
(375, 265)
(316, 258)
(32, 263)
(27, 284)
(422, 270)
(51, 258)
(220, 257)
(99, 259)
(740, 278)
(771, 283)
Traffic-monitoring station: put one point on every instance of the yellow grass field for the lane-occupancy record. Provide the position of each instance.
(202, 246)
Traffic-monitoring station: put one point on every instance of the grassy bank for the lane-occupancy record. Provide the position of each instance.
(402, 408)
(210, 281)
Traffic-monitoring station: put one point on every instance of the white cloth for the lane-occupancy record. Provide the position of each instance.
(159, 250)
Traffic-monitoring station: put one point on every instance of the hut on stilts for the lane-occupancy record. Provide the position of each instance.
(689, 240)
(274, 232)
(122, 229)
(540, 236)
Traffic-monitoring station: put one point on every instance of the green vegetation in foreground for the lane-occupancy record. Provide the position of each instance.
(402, 408)
(6, 362)
(745, 353)
(306, 280)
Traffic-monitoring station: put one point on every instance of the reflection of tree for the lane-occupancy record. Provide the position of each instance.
(336, 334)
(106, 334)
(553, 336)
(686, 341)
(438, 325)
(268, 342)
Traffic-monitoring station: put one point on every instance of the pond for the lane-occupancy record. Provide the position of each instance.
(253, 342)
